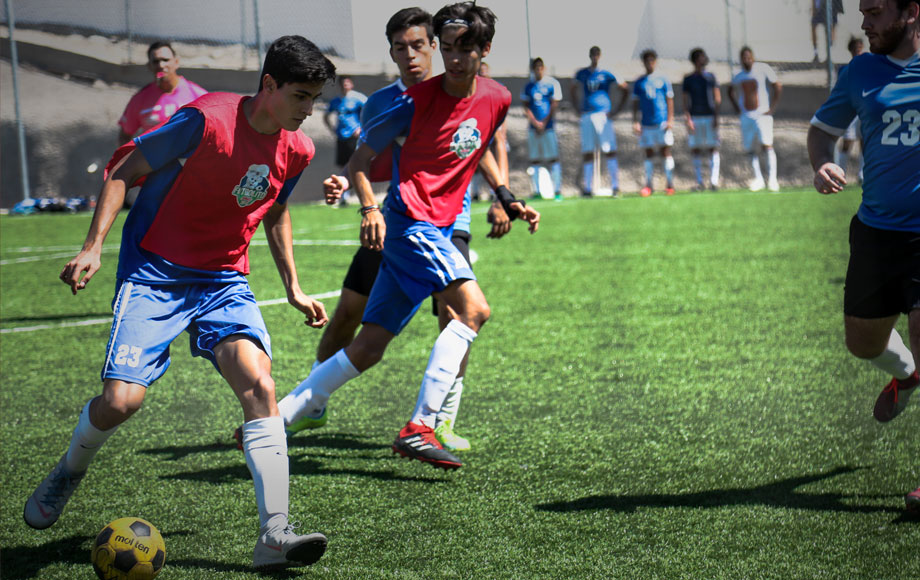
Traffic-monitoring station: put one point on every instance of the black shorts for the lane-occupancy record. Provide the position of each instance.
(883, 277)
(363, 271)
(344, 148)
(462, 241)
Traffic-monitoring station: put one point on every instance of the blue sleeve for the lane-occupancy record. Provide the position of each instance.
(287, 188)
(177, 139)
(525, 93)
(838, 111)
(393, 122)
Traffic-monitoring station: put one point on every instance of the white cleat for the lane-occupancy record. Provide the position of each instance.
(280, 547)
(773, 186)
(757, 185)
(46, 503)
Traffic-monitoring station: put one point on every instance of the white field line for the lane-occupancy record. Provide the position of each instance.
(108, 320)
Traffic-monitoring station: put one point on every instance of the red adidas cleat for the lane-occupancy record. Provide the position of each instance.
(913, 501)
(645, 191)
(893, 398)
(418, 442)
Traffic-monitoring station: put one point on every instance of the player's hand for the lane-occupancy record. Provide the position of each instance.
(669, 126)
(528, 214)
(87, 262)
(691, 126)
(314, 310)
(501, 223)
(830, 178)
(373, 230)
(637, 128)
(334, 187)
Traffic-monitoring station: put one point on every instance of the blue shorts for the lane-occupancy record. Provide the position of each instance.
(149, 317)
(418, 259)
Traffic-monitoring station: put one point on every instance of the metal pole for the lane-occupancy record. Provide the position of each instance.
(243, 33)
(258, 22)
(128, 32)
(529, 47)
(828, 31)
(20, 129)
(728, 37)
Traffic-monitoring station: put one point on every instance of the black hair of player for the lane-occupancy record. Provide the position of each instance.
(594, 50)
(903, 4)
(406, 19)
(535, 62)
(158, 45)
(294, 59)
(479, 22)
(854, 40)
(745, 49)
(648, 53)
(695, 54)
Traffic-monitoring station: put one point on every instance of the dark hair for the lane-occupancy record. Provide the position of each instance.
(406, 19)
(535, 62)
(695, 54)
(478, 20)
(648, 53)
(594, 50)
(902, 4)
(745, 49)
(294, 59)
(158, 45)
(854, 40)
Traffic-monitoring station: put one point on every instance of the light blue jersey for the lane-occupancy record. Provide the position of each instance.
(885, 94)
(595, 86)
(653, 91)
(539, 96)
(348, 108)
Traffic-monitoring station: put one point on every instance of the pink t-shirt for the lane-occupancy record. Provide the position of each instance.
(150, 106)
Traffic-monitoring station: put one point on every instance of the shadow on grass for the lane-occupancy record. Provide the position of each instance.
(346, 441)
(781, 494)
(22, 562)
(55, 317)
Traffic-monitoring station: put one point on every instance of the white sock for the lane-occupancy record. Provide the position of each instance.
(84, 443)
(698, 169)
(443, 366)
(649, 171)
(310, 396)
(755, 165)
(451, 404)
(771, 164)
(669, 170)
(714, 164)
(556, 171)
(613, 168)
(897, 359)
(265, 447)
(587, 171)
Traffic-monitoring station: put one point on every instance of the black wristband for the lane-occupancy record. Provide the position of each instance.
(368, 209)
(506, 198)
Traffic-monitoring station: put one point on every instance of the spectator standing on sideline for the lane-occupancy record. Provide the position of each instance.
(756, 108)
(702, 99)
(653, 97)
(541, 97)
(157, 101)
(819, 17)
(346, 108)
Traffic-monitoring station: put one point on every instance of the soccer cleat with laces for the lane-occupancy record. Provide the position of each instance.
(893, 398)
(913, 501)
(419, 442)
(450, 440)
(307, 422)
(280, 547)
(46, 503)
(757, 185)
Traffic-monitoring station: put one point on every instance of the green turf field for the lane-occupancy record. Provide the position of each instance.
(662, 393)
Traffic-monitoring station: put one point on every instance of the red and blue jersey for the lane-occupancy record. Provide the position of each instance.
(214, 178)
(445, 137)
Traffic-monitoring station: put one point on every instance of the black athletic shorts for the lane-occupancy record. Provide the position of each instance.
(363, 271)
(462, 241)
(883, 277)
(344, 148)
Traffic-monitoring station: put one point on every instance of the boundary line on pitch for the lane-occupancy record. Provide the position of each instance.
(108, 320)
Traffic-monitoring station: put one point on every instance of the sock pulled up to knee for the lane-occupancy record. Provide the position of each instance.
(265, 447)
(896, 359)
(443, 366)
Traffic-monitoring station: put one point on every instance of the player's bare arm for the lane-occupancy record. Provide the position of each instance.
(637, 127)
(624, 96)
(777, 93)
(279, 233)
(373, 227)
(670, 123)
(688, 119)
(733, 99)
(111, 200)
(716, 104)
(829, 177)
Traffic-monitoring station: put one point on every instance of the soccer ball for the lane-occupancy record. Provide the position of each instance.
(128, 549)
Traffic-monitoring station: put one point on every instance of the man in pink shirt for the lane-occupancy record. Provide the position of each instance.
(157, 101)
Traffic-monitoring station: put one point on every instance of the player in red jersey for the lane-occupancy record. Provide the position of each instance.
(217, 169)
(445, 125)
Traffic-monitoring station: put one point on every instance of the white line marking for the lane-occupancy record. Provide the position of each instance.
(94, 321)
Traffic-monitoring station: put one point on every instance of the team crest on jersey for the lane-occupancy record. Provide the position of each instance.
(466, 139)
(253, 186)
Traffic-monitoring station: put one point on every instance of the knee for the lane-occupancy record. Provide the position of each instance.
(478, 315)
(862, 348)
(115, 406)
(263, 388)
(365, 354)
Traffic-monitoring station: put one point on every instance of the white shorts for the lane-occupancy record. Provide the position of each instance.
(542, 146)
(652, 136)
(756, 130)
(704, 134)
(597, 133)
